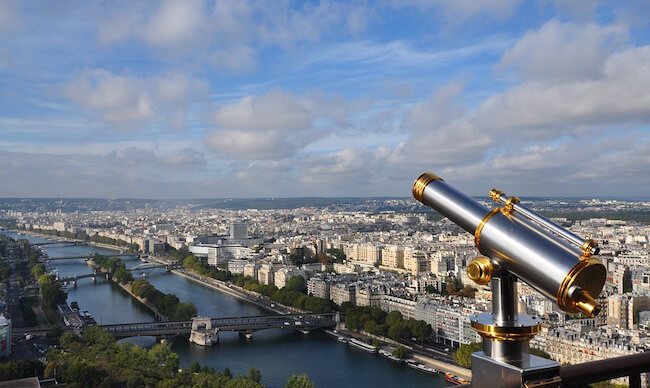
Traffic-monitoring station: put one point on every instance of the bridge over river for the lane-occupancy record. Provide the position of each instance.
(85, 257)
(60, 242)
(205, 330)
(142, 267)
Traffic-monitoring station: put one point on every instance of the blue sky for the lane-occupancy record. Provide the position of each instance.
(187, 99)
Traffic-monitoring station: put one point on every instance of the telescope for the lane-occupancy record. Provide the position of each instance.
(517, 243)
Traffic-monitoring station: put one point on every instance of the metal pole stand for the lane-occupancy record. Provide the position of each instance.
(505, 360)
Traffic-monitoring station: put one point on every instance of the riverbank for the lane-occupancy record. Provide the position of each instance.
(247, 296)
(427, 360)
(230, 289)
(222, 287)
(127, 288)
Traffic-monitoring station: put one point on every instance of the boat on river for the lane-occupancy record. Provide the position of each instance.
(390, 356)
(421, 367)
(455, 379)
(362, 345)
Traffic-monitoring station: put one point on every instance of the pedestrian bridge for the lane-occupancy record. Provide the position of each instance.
(243, 325)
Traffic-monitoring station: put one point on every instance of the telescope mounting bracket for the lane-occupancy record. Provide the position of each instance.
(506, 338)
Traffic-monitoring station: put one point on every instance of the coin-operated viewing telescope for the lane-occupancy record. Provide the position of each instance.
(517, 243)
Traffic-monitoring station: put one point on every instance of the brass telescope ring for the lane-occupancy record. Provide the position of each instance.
(479, 228)
(421, 183)
(506, 333)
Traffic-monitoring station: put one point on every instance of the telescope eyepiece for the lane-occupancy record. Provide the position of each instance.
(585, 303)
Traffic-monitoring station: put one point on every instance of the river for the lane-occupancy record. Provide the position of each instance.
(276, 353)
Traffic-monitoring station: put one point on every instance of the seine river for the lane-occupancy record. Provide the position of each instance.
(276, 353)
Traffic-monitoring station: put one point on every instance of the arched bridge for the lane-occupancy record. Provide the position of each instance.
(140, 267)
(86, 257)
(246, 325)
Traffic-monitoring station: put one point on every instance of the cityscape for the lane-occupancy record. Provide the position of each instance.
(307, 193)
(405, 259)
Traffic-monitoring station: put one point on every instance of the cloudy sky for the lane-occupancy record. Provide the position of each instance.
(238, 98)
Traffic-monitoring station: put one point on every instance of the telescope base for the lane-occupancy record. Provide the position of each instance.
(535, 372)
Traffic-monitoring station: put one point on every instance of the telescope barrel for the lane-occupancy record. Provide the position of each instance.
(588, 246)
(549, 264)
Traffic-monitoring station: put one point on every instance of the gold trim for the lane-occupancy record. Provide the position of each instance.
(480, 270)
(479, 228)
(587, 248)
(506, 333)
(496, 194)
(587, 305)
(592, 290)
(421, 183)
(509, 205)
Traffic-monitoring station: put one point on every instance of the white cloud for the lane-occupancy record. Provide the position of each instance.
(125, 100)
(275, 125)
(440, 132)
(127, 172)
(400, 54)
(226, 34)
(536, 136)
(176, 24)
(342, 168)
(116, 98)
(564, 51)
(275, 110)
(619, 96)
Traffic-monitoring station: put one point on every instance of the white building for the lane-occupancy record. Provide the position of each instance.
(237, 266)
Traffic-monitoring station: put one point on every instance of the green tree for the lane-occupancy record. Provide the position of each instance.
(51, 294)
(431, 289)
(370, 326)
(299, 381)
(337, 253)
(13, 370)
(393, 318)
(398, 331)
(254, 375)
(296, 283)
(54, 334)
(400, 352)
(38, 270)
(463, 354)
(184, 311)
(195, 367)
(419, 329)
(242, 382)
